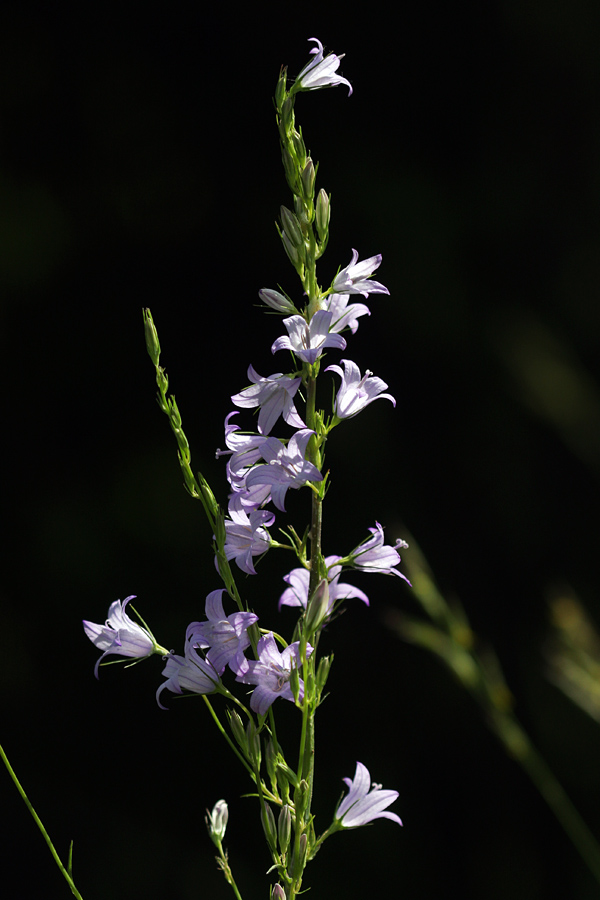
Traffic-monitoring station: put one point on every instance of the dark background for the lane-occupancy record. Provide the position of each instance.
(139, 166)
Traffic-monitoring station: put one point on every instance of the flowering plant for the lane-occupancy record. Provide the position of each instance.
(233, 646)
(234, 649)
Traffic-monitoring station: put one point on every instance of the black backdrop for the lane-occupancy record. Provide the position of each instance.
(139, 166)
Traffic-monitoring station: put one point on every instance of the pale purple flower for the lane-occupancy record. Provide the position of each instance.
(120, 636)
(246, 536)
(226, 636)
(245, 499)
(344, 316)
(319, 72)
(240, 443)
(274, 395)
(355, 278)
(271, 673)
(188, 673)
(308, 339)
(245, 451)
(375, 556)
(356, 391)
(298, 580)
(286, 466)
(361, 805)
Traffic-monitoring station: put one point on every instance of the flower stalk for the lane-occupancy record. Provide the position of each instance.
(261, 468)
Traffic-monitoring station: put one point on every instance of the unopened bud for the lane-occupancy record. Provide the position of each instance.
(271, 761)
(301, 799)
(285, 775)
(280, 88)
(300, 148)
(277, 301)
(323, 672)
(300, 860)
(290, 169)
(284, 828)
(323, 213)
(291, 226)
(278, 893)
(318, 606)
(300, 210)
(152, 342)
(237, 729)
(216, 821)
(289, 248)
(287, 114)
(253, 738)
(308, 179)
(268, 823)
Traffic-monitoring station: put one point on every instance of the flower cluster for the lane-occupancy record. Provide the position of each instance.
(262, 465)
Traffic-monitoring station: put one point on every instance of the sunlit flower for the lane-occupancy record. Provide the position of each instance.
(274, 397)
(308, 339)
(286, 466)
(321, 72)
(188, 673)
(120, 636)
(375, 556)
(298, 580)
(356, 277)
(226, 636)
(356, 391)
(344, 315)
(361, 805)
(271, 673)
(246, 536)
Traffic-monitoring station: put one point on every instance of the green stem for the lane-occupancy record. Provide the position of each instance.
(224, 733)
(224, 863)
(38, 822)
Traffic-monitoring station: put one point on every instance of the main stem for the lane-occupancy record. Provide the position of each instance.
(306, 757)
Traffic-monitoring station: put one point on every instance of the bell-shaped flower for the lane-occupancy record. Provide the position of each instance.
(320, 72)
(271, 673)
(120, 635)
(245, 451)
(245, 499)
(356, 391)
(308, 339)
(286, 466)
(243, 446)
(356, 277)
(246, 536)
(375, 556)
(274, 397)
(226, 636)
(364, 802)
(298, 580)
(344, 315)
(188, 673)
